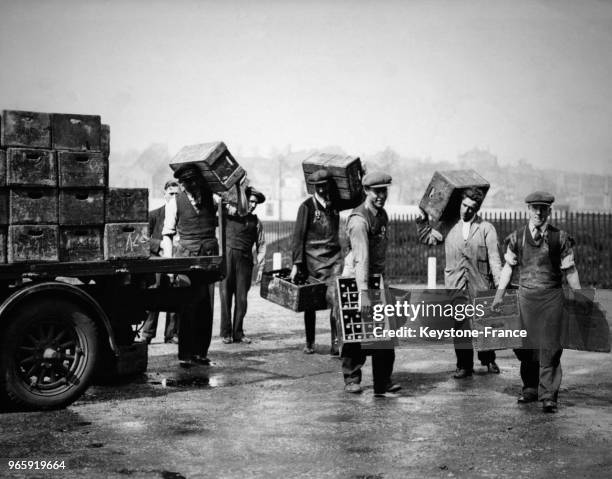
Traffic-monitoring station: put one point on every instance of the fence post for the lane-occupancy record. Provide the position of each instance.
(431, 272)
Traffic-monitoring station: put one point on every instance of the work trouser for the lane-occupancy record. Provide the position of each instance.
(236, 284)
(354, 357)
(310, 316)
(541, 372)
(464, 351)
(196, 315)
(149, 328)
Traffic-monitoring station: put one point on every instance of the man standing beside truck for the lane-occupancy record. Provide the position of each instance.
(156, 225)
(192, 214)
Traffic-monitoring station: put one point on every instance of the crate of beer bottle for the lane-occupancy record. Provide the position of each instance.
(346, 172)
(217, 165)
(299, 295)
(442, 197)
(26, 129)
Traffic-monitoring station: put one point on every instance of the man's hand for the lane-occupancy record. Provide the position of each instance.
(232, 210)
(422, 217)
(497, 302)
(294, 273)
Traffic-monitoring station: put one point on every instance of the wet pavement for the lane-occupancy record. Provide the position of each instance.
(268, 410)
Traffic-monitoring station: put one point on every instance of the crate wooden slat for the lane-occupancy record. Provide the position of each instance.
(35, 243)
(442, 196)
(82, 169)
(76, 132)
(30, 167)
(217, 165)
(105, 140)
(346, 171)
(2, 168)
(3, 244)
(33, 206)
(4, 206)
(81, 207)
(80, 243)
(126, 240)
(25, 128)
(276, 287)
(124, 205)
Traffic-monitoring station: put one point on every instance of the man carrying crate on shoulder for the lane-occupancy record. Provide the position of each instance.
(472, 265)
(193, 215)
(367, 232)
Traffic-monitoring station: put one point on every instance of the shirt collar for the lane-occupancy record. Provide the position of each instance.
(532, 227)
(320, 200)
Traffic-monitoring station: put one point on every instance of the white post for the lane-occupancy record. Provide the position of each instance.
(277, 261)
(431, 272)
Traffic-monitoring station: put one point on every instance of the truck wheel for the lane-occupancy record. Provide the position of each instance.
(48, 354)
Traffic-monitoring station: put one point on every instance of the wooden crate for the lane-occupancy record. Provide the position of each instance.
(25, 128)
(276, 287)
(4, 206)
(33, 206)
(80, 243)
(32, 243)
(357, 324)
(2, 168)
(442, 197)
(3, 243)
(81, 207)
(219, 168)
(29, 167)
(82, 169)
(125, 205)
(346, 171)
(76, 132)
(126, 240)
(507, 319)
(105, 140)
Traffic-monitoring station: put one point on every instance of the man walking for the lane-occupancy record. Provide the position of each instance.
(243, 233)
(472, 265)
(317, 252)
(543, 254)
(192, 214)
(367, 232)
(156, 224)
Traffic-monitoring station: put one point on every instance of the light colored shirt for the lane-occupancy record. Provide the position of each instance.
(465, 228)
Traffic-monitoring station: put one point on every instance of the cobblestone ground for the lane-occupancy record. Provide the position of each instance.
(268, 410)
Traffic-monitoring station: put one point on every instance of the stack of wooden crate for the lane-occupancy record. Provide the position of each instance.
(55, 204)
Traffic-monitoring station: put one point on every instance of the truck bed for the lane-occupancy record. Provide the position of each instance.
(207, 264)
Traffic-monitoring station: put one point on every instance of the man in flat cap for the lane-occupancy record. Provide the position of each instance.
(543, 254)
(156, 224)
(472, 265)
(243, 235)
(316, 250)
(192, 214)
(367, 232)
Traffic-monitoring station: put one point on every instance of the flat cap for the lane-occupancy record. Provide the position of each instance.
(376, 179)
(186, 171)
(319, 177)
(539, 198)
(250, 191)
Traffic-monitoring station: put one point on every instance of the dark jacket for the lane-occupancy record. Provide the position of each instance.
(156, 225)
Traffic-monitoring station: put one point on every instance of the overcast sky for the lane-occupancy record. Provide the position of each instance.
(526, 79)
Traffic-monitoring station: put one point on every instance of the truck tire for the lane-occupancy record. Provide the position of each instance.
(47, 354)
